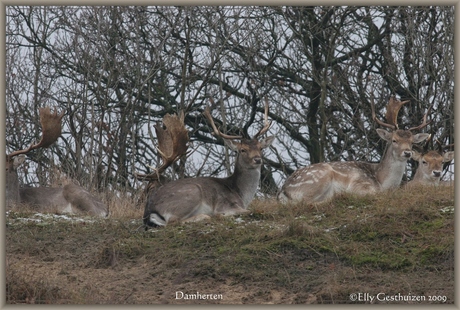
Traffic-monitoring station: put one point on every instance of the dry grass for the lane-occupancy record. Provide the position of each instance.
(400, 242)
(126, 206)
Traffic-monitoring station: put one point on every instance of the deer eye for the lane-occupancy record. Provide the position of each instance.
(394, 141)
(243, 151)
(424, 162)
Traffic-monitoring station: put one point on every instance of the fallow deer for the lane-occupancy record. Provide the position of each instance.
(429, 170)
(70, 198)
(322, 181)
(194, 199)
(430, 167)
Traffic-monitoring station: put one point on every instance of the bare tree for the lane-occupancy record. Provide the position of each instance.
(116, 71)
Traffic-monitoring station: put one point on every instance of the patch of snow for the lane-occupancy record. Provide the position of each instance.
(449, 209)
(47, 218)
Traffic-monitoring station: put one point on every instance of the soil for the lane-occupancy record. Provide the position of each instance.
(94, 274)
(401, 255)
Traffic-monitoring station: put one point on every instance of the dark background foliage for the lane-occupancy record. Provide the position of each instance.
(116, 71)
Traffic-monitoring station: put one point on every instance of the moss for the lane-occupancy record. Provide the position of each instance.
(435, 254)
(381, 260)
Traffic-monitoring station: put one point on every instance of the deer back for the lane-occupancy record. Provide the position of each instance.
(82, 201)
(70, 198)
(45, 199)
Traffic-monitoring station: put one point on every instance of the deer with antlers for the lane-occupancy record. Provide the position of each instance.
(322, 181)
(173, 141)
(430, 164)
(70, 198)
(194, 199)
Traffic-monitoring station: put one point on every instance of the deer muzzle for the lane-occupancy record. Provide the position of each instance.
(407, 154)
(257, 160)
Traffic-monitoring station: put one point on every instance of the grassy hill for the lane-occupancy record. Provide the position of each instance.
(386, 249)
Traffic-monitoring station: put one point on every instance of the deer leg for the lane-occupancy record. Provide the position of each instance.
(154, 220)
(234, 211)
(197, 218)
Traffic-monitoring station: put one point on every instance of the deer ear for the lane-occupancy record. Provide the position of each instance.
(420, 137)
(448, 156)
(416, 155)
(385, 135)
(18, 160)
(231, 144)
(266, 142)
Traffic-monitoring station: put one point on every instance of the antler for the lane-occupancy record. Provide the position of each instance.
(391, 115)
(441, 147)
(267, 124)
(217, 132)
(424, 122)
(172, 144)
(172, 140)
(51, 130)
(427, 142)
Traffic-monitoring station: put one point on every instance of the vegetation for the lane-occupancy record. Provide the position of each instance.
(401, 242)
(116, 71)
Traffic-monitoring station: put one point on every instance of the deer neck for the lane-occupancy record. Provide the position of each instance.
(12, 186)
(390, 170)
(422, 178)
(245, 182)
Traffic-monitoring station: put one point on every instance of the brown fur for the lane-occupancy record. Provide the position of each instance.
(322, 181)
(429, 169)
(68, 199)
(199, 198)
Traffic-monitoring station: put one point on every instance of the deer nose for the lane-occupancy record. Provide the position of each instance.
(257, 160)
(407, 154)
(437, 173)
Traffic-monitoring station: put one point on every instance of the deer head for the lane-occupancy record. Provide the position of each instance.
(430, 163)
(399, 141)
(249, 150)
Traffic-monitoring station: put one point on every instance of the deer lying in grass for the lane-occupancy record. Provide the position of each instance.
(194, 199)
(70, 198)
(322, 181)
(429, 168)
